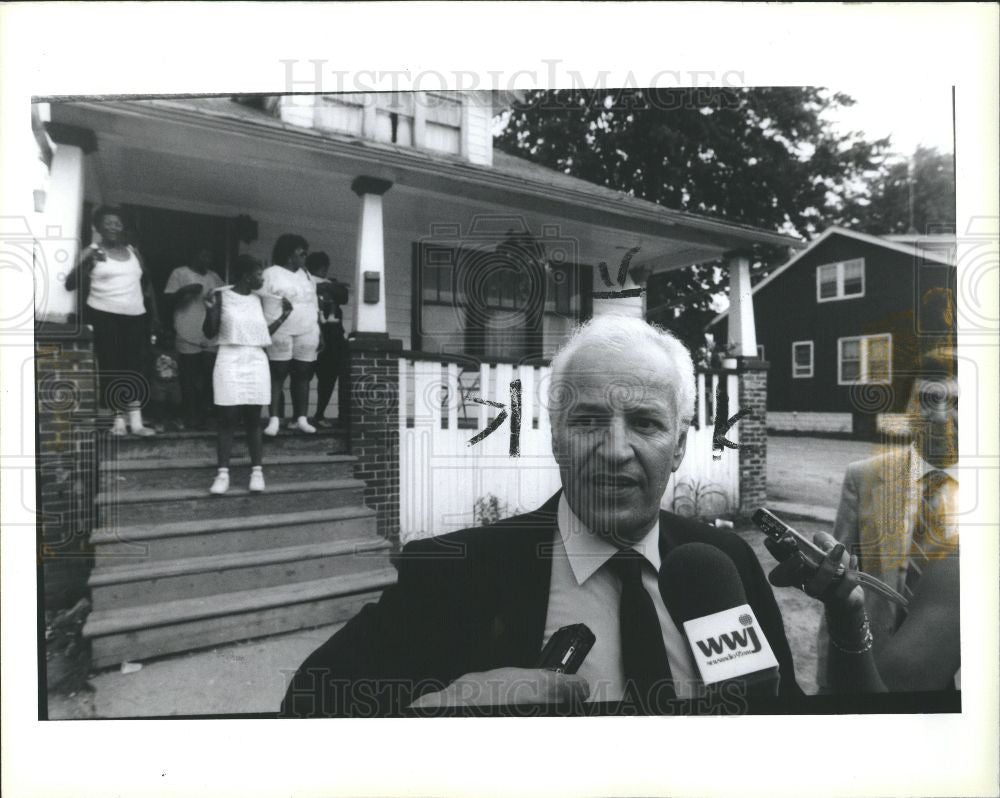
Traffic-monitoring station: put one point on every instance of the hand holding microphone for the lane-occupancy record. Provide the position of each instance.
(829, 582)
(819, 570)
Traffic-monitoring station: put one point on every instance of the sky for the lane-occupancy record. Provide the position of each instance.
(912, 115)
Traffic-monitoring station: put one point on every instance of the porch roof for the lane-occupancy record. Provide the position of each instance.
(668, 238)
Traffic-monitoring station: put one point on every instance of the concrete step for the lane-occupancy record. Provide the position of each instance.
(135, 507)
(140, 583)
(172, 445)
(198, 538)
(198, 472)
(140, 633)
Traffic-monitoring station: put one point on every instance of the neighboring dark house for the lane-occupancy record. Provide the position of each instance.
(842, 324)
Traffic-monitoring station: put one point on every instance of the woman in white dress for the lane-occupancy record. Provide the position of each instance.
(241, 379)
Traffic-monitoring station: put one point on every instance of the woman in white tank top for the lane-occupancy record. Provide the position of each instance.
(115, 295)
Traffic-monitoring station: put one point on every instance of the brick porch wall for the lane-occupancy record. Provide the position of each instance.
(753, 432)
(374, 426)
(66, 459)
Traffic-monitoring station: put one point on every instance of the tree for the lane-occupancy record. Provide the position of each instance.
(927, 180)
(761, 156)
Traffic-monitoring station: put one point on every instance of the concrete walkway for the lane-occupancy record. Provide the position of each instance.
(244, 677)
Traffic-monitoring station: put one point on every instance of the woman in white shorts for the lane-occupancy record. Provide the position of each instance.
(241, 379)
(293, 349)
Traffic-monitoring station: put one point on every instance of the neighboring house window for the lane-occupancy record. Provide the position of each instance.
(802, 359)
(760, 352)
(842, 280)
(864, 359)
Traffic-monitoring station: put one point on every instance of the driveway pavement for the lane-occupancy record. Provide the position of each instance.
(810, 471)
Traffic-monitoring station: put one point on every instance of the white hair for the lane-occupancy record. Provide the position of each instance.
(619, 334)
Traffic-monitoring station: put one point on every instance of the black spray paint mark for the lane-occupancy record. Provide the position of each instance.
(515, 419)
(719, 440)
(602, 267)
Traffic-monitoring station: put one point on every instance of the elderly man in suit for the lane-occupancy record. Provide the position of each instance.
(471, 610)
(897, 514)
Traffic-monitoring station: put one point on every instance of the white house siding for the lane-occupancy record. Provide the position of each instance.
(399, 276)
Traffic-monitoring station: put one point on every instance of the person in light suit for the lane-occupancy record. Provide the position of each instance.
(897, 514)
(472, 610)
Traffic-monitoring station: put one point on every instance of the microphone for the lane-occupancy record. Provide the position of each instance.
(704, 593)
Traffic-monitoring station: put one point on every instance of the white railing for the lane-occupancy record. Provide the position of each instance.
(442, 476)
(703, 485)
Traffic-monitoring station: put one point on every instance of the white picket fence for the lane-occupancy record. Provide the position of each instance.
(702, 485)
(442, 476)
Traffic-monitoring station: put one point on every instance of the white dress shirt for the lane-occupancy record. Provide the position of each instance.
(584, 590)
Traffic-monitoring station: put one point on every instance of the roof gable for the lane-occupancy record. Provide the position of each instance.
(910, 249)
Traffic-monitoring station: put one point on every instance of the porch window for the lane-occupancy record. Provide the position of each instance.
(492, 303)
(841, 280)
(802, 359)
(864, 359)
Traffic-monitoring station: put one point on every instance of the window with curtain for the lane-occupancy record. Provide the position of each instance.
(841, 280)
(864, 359)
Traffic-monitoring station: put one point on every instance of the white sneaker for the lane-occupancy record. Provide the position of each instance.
(119, 427)
(303, 424)
(273, 425)
(257, 480)
(136, 426)
(221, 483)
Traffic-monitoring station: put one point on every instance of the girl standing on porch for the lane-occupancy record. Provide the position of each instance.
(294, 348)
(116, 294)
(241, 379)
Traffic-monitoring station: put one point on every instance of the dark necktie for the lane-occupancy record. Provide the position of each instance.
(647, 672)
(929, 535)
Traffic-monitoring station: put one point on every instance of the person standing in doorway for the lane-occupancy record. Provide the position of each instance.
(187, 287)
(293, 349)
(333, 360)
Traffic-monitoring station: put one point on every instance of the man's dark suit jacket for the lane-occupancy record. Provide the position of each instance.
(475, 600)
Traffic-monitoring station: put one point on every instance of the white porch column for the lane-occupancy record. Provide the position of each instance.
(59, 241)
(369, 302)
(742, 330)
(607, 299)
